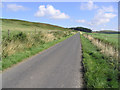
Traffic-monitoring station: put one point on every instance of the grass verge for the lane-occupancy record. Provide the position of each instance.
(18, 57)
(99, 72)
(111, 39)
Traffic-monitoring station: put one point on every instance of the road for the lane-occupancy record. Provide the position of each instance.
(57, 67)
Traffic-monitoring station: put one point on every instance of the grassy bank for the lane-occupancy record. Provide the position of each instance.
(19, 56)
(111, 39)
(19, 41)
(22, 39)
(107, 43)
(99, 71)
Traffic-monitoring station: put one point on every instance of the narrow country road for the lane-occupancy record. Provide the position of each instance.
(57, 67)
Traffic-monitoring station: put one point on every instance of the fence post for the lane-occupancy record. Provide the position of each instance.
(8, 33)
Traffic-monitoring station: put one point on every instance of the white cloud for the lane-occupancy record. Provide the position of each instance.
(88, 6)
(107, 9)
(51, 12)
(15, 7)
(104, 15)
(81, 21)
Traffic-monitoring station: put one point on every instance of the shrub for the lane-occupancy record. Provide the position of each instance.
(20, 36)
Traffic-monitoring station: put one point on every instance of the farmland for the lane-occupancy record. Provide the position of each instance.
(107, 43)
(107, 38)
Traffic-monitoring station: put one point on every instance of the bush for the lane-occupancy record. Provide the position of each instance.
(60, 34)
(20, 36)
(38, 39)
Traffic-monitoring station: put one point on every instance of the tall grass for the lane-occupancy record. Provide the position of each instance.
(22, 39)
(99, 71)
(20, 45)
(106, 48)
(111, 39)
(19, 56)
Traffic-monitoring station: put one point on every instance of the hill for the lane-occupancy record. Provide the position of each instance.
(14, 24)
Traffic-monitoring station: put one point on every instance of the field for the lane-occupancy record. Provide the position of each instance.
(107, 43)
(22, 39)
(107, 38)
(99, 72)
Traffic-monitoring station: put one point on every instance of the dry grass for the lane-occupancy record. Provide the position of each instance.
(32, 39)
(48, 37)
(100, 71)
(21, 39)
(106, 48)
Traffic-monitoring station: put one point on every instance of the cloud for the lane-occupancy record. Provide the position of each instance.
(51, 12)
(88, 6)
(81, 21)
(107, 9)
(104, 15)
(15, 7)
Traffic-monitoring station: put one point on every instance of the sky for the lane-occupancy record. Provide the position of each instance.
(94, 15)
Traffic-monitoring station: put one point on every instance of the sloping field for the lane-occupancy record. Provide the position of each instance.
(21, 25)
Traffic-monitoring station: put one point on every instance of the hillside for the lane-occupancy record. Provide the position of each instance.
(14, 24)
(22, 39)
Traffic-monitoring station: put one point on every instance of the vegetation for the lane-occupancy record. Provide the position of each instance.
(81, 29)
(20, 25)
(8, 61)
(99, 71)
(22, 39)
(107, 48)
(18, 43)
(108, 32)
(112, 39)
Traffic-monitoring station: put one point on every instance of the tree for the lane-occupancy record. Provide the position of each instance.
(81, 29)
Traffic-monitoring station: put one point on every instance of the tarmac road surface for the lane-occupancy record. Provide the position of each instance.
(57, 67)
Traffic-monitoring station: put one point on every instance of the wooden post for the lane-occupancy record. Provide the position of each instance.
(8, 33)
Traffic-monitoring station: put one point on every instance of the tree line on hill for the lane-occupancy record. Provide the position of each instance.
(90, 31)
(81, 29)
(107, 32)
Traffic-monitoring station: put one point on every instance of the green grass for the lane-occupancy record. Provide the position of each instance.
(107, 38)
(99, 72)
(20, 25)
(28, 38)
(18, 57)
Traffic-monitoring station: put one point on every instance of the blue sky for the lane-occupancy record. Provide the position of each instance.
(94, 15)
